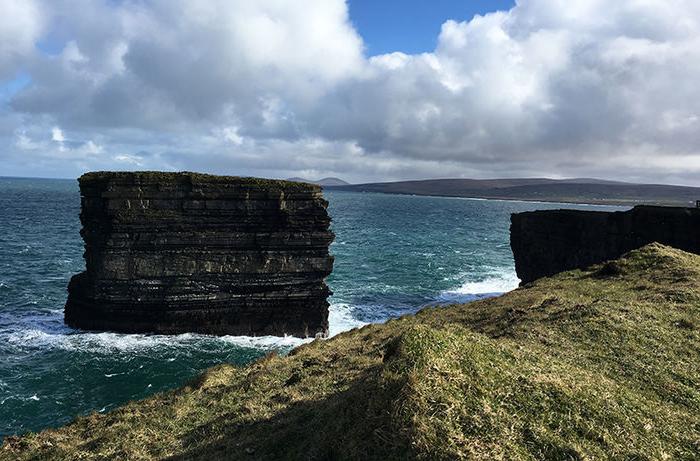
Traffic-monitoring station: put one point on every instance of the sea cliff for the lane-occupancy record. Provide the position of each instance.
(547, 242)
(188, 252)
(583, 365)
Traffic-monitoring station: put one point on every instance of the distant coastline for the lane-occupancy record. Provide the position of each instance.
(584, 191)
(569, 191)
(499, 199)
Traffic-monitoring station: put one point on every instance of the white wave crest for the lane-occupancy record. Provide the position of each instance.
(49, 333)
(101, 343)
(340, 319)
(265, 342)
(470, 290)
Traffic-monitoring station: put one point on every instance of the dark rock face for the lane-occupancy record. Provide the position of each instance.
(551, 241)
(185, 252)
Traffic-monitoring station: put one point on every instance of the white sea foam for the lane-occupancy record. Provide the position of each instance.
(340, 319)
(493, 285)
(101, 343)
(265, 342)
(48, 332)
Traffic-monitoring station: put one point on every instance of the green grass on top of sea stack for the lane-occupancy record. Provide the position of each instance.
(596, 364)
(165, 177)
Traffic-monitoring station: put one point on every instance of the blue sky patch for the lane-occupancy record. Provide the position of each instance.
(412, 26)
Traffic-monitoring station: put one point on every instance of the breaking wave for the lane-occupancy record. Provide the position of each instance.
(492, 285)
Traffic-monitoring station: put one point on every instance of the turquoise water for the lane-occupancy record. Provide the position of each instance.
(393, 253)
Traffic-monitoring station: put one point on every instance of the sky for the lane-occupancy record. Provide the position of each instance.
(359, 89)
(412, 26)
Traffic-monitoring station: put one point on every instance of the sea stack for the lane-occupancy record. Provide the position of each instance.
(184, 252)
(547, 242)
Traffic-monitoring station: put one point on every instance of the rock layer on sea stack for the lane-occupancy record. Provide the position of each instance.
(187, 252)
(547, 242)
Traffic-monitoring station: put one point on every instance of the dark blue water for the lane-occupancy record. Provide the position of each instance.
(393, 253)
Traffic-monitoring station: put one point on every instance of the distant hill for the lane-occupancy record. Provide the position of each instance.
(578, 190)
(323, 182)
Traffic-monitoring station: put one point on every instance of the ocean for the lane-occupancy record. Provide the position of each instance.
(393, 255)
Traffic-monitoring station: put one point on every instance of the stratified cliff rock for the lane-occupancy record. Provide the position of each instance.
(187, 252)
(550, 241)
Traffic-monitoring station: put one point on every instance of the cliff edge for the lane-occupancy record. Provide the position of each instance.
(187, 252)
(584, 365)
(547, 242)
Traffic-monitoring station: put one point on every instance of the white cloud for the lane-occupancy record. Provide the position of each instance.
(57, 134)
(134, 160)
(230, 133)
(92, 148)
(564, 86)
(551, 87)
(21, 26)
(24, 142)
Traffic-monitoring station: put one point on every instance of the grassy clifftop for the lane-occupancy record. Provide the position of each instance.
(166, 177)
(597, 364)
